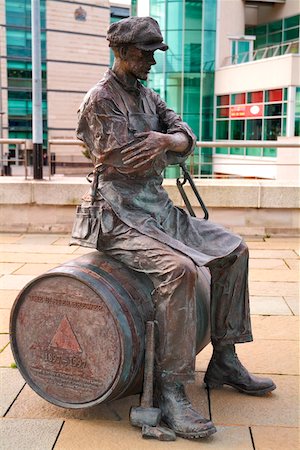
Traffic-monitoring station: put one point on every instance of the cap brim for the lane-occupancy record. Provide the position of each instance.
(152, 47)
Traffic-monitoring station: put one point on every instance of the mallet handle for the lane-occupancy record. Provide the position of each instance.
(147, 396)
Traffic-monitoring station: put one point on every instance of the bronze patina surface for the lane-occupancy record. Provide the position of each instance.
(132, 136)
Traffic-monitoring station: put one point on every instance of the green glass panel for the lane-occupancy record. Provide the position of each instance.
(275, 38)
(274, 109)
(193, 15)
(193, 121)
(174, 15)
(172, 172)
(133, 7)
(272, 129)
(191, 95)
(291, 34)
(285, 94)
(261, 41)
(254, 129)
(270, 152)
(275, 26)
(173, 92)
(293, 21)
(222, 127)
(237, 130)
(222, 151)
(253, 152)
(237, 151)
(283, 131)
(297, 126)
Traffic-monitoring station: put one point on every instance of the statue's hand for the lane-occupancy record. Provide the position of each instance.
(150, 145)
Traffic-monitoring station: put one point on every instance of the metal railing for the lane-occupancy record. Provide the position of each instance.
(194, 166)
(263, 53)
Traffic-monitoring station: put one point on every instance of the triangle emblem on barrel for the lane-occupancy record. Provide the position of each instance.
(65, 338)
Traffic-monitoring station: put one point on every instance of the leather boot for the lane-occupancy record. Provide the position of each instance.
(178, 414)
(226, 368)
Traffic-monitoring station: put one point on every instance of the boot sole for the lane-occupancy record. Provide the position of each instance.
(199, 435)
(216, 385)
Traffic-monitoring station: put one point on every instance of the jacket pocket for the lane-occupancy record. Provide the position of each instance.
(87, 224)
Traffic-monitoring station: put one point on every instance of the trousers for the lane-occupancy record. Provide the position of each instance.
(174, 278)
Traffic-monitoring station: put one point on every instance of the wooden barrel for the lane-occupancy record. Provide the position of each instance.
(77, 331)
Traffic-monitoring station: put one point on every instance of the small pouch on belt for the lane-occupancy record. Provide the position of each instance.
(87, 222)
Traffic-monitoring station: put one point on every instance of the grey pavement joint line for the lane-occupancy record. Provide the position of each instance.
(58, 434)
(209, 402)
(252, 439)
(289, 306)
(8, 409)
(6, 345)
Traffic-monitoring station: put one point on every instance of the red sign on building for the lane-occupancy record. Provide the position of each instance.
(246, 111)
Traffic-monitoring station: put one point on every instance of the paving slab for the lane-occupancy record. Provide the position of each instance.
(273, 254)
(269, 288)
(279, 408)
(270, 356)
(8, 268)
(11, 384)
(261, 356)
(274, 264)
(4, 320)
(203, 358)
(34, 269)
(4, 341)
(293, 264)
(281, 327)
(36, 257)
(24, 434)
(293, 303)
(15, 281)
(7, 298)
(275, 244)
(41, 248)
(269, 306)
(62, 240)
(273, 438)
(6, 357)
(30, 405)
(82, 251)
(9, 238)
(38, 239)
(273, 275)
(122, 436)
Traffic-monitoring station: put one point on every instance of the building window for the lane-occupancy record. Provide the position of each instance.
(19, 68)
(274, 33)
(258, 115)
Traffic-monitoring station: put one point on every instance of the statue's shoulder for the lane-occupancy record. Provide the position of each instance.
(103, 89)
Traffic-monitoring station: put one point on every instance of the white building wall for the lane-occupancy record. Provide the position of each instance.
(269, 13)
(270, 73)
(230, 22)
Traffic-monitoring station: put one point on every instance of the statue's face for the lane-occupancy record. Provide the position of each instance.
(139, 62)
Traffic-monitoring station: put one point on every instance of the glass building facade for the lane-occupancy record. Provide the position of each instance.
(184, 75)
(19, 68)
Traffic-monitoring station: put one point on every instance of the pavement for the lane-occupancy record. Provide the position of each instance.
(243, 422)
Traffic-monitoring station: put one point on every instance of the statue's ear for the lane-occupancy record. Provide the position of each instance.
(123, 52)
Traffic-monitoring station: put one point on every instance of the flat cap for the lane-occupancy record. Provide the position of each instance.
(142, 32)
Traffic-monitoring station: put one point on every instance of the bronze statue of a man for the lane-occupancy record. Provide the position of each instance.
(132, 137)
